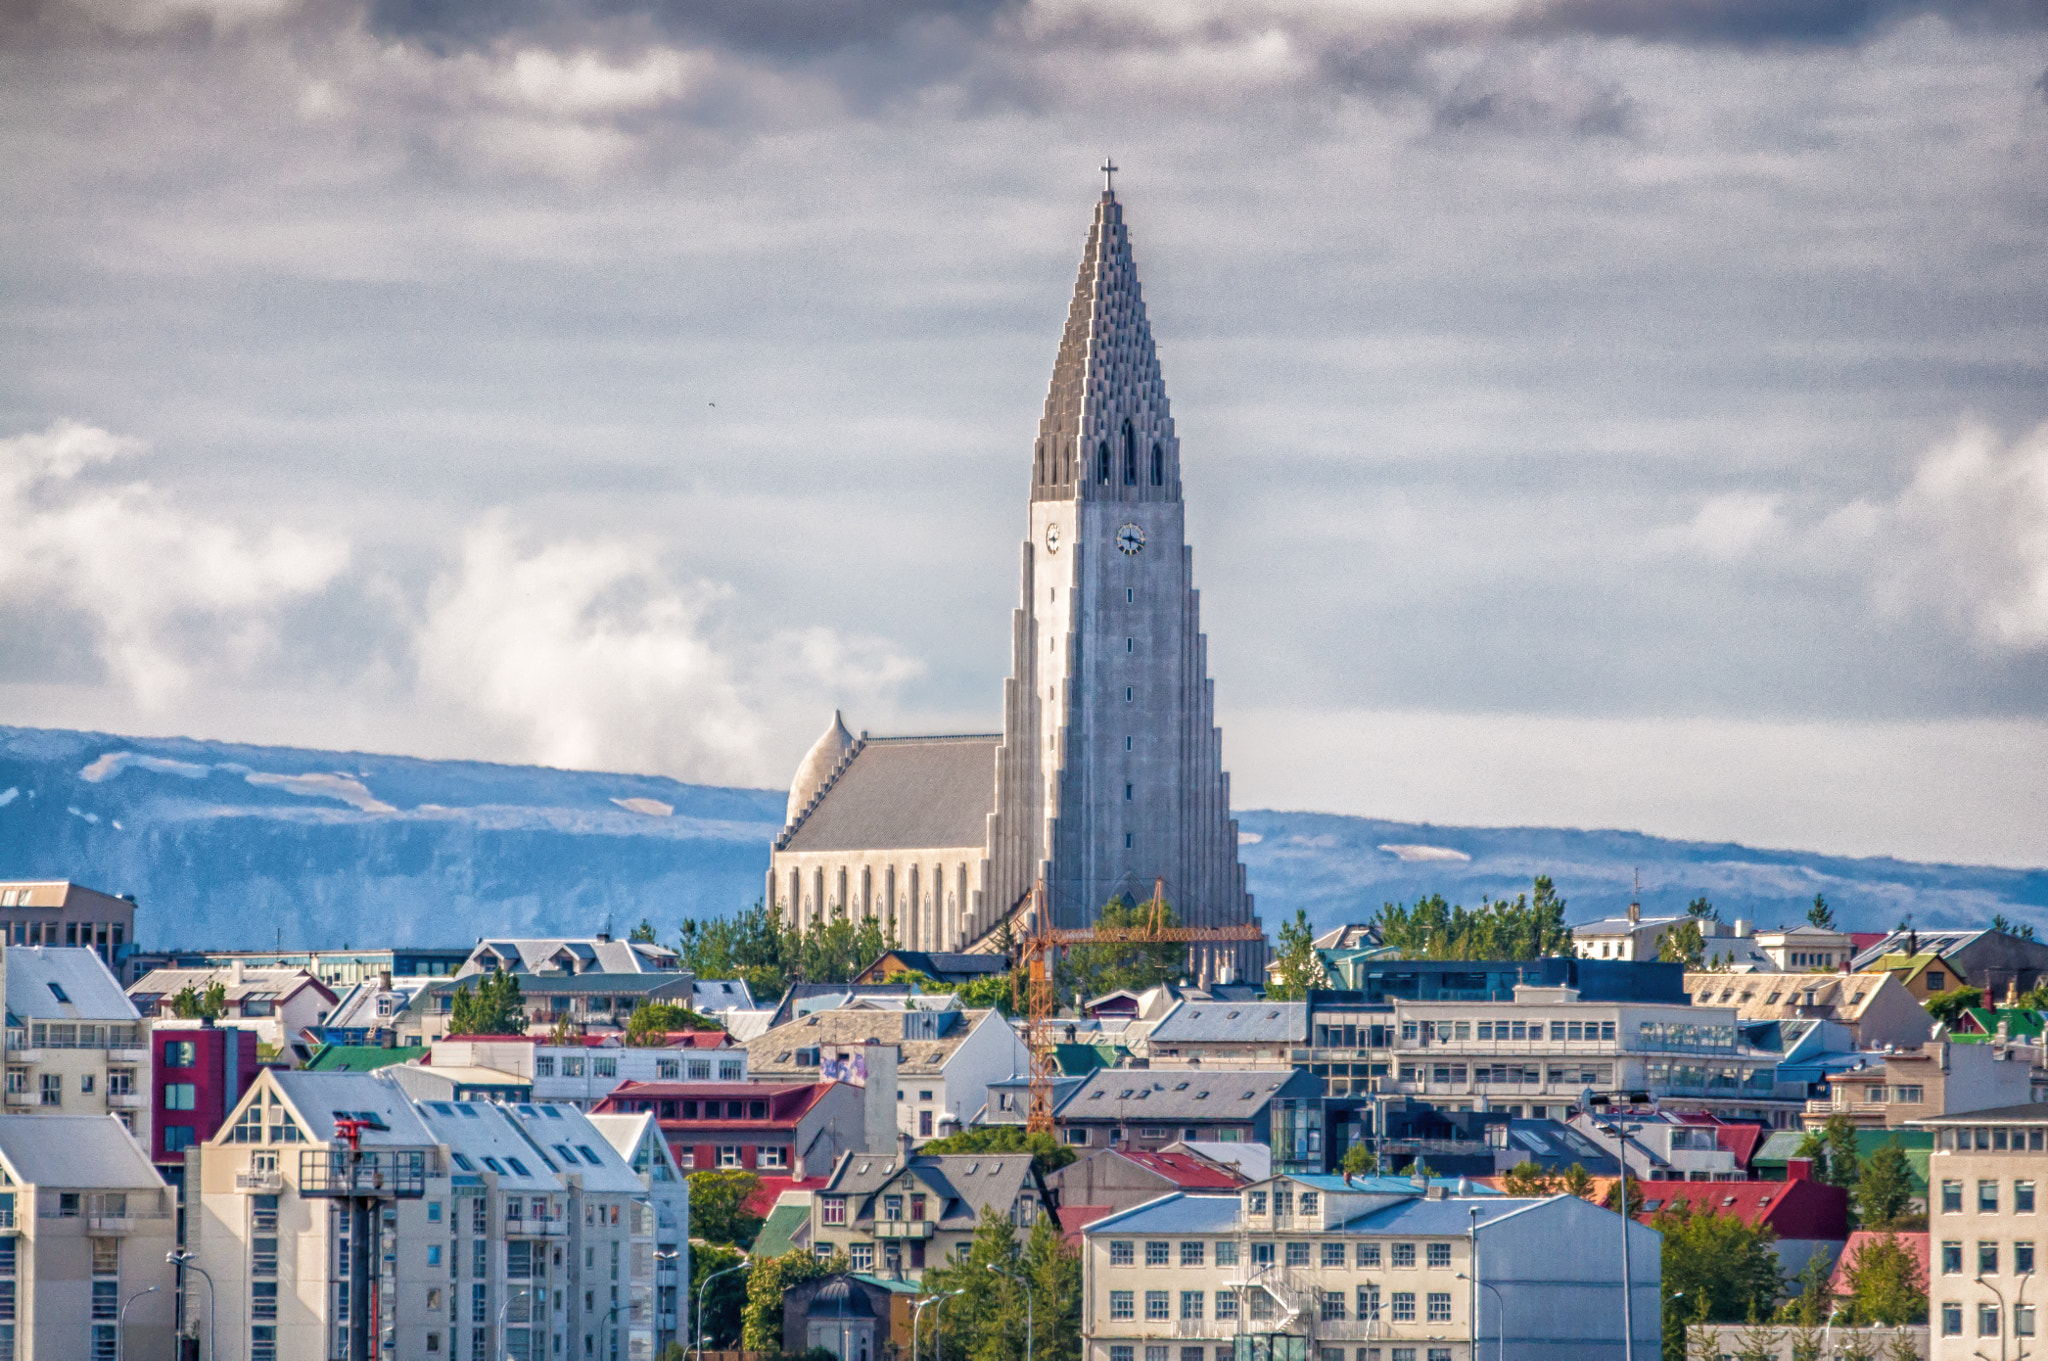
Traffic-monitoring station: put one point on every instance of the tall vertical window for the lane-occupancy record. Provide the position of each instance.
(1130, 456)
(1102, 463)
(1158, 466)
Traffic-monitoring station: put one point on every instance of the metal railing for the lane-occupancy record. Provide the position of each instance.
(372, 1172)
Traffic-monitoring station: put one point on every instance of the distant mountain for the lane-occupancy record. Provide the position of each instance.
(231, 845)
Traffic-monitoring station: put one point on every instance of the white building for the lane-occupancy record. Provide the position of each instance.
(638, 1140)
(75, 1043)
(569, 955)
(1807, 949)
(1374, 1269)
(1984, 1181)
(1729, 945)
(85, 1223)
(462, 1229)
(585, 1073)
(280, 1005)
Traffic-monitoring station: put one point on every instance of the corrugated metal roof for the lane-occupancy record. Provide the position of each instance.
(906, 793)
(554, 1127)
(1241, 1022)
(1451, 1217)
(82, 1152)
(1168, 1095)
(1174, 1212)
(83, 988)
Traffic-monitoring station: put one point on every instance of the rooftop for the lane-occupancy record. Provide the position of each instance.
(903, 793)
(61, 983)
(83, 1152)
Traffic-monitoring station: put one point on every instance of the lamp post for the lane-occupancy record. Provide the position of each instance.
(706, 1285)
(1029, 1328)
(505, 1347)
(1621, 1133)
(939, 1327)
(183, 1260)
(917, 1308)
(1500, 1337)
(121, 1319)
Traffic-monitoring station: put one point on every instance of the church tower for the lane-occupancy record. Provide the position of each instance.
(1110, 772)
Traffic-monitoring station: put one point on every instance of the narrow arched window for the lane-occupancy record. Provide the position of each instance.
(1102, 463)
(1158, 466)
(1130, 456)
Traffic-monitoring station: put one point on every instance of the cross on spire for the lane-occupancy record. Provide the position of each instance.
(1108, 175)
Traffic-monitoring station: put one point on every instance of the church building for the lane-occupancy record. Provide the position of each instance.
(1108, 774)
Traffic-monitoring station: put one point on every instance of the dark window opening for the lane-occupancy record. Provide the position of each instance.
(1102, 463)
(1158, 466)
(1130, 456)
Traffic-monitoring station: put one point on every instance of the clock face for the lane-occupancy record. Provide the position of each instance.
(1130, 539)
(1052, 538)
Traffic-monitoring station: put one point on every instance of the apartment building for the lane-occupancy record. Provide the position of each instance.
(85, 1223)
(1984, 1230)
(75, 1043)
(1373, 1269)
(338, 1218)
(895, 1214)
(777, 1129)
(1149, 1108)
(584, 1073)
(1875, 1009)
(1887, 1090)
(598, 954)
(1983, 957)
(945, 1057)
(1807, 948)
(280, 1005)
(199, 1073)
(340, 970)
(59, 912)
(639, 1142)
(1252, 1034)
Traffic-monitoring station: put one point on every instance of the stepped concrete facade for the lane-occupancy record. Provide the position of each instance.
(1108, 773)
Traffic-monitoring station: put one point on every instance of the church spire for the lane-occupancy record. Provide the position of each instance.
(1107, 432)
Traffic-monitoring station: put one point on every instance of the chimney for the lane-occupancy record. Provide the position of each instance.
(1743, 926)
(384, 979)
(1635, 912)
(235, 973)
(1798, 1169)
(903, 1146)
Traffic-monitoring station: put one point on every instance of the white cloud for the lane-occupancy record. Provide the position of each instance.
(169, 595)
(584, 84)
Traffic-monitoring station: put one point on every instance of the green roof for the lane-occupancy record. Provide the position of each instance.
(893, 1287)
(778, 1233)
(361, 1058)
(1771, 1155)
(2022, 1023)
(1079, 1060)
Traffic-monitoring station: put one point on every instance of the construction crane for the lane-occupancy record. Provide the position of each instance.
(1041, 953)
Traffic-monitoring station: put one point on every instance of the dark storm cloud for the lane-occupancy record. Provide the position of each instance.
(1763, 23)
(778, 29)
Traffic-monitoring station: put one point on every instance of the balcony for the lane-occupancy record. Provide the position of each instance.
(127, 1101)
(378, 1173)
(905, 1228)
(110, 1226)
(267, 1183)
(21, 1098)
(135, 1056)
(543, 1227)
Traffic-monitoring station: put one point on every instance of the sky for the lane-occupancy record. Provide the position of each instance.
(1621, 413)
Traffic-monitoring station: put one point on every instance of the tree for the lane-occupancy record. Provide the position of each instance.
(1092, 970)
(496, 1008)
(1578, 1181)
(190, 1005)
(2000, 924)
(1047, 1153)
(1297, 966)
(1683, 944)
(725, 1300)
(986, 1322)
(1885, 1187)
(1886, 1285)
(1635, 1196)
(1530, 927)
(643, 933)
(1814, 1148)
(1758, 1342)
(1844, 1161)
(767, 1279)
(1820, 914)
(998, 990)
(1725, 1261)
(652, 1023)
(1952, 1004)
(718, 1206)
(1530, 1178)
(1700, 910)
(1813, 1303)
(1359, 1161)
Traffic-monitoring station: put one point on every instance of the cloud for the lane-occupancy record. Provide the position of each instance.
(168, 596)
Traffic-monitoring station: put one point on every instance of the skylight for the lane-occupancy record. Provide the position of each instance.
(59, 993)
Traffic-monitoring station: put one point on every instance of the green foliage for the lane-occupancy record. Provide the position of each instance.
(1529, 1178)
(1723, 1261)
(1635, 1196)
(1886, 1285)
(1820, 914)
(1047, 1153)
(1812, 1303)
(653, 1022)
(1844, 1162)
(1758, 1342)
(1092, 970)
(187, 1004)
(767, 1279)
(1949, 1005)
(916, 979)
(1359, 1161)
(1578, 1181)
(987, 1320)
(758, 948)
(998, 990)
(718, 1206)
(1297, 966)
(494, 1009)
(1530, 927)
(1814, 1148)
(643, 933)
(1683, 944)
(1999, 923)
(725, 1300)
(1885, 1187)
(1700, 910)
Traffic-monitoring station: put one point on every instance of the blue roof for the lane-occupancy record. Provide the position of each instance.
(1378, 1185)
(1440, 1218)
(1175, 1212)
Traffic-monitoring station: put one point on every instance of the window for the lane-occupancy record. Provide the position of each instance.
(1120, 1254)
(2023, 1197)
(2023, 1320)
(181, 1053)
(1439, 1306)
(1951, 1259)
(1120, 1353)
(1258, 1304)
(1951, 1197)
(862, 1256)
(1987, 1320)
(1404, 1306)
(1102, 462)
(544, 1065)
(1369, 1255)
(833, 1210)
(1987, 1197)
(728, 1070)
(1191, 1304)
(2022, 1259)
(1262, 1254)
(180, 1096)
(604, 1067)
(1158, 1254)
(1987, 1259)
(1404, 1255)
(1332, 1306)
(1226, 1254)
(53, 1089)
(1130, 456)
(1333, 1254)
(1297, 1254)
(263, 1299)
(1951, 1319)
(177, 1138)
(774, 1155)
(728, 1155)
(1191, 1254)
(1120, 1304)
(1226, 1304)
(262, 1256)
(1368, 1304)
(1158, 466)
(1439, 1254)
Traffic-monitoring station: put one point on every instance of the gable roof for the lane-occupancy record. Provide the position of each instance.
(1785, 1206)
(1254, 1161)
(1978, 1024)
(1906, 968)
(1788, 996)
(257, 983)
(1238, 1022)
(38, 976)
(965, 1182)
(903, 793)
(1188, 1171)
(785, 1230)
(1169, 1095)
(361, 1058)
(82, 1152)
(316, 1098)
(1177, 1212)
(1914, 1243)
(940, 964)
(847, 1027)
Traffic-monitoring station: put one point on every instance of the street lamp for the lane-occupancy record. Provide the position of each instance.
(706, 1285)
(1029, 1329)
(1500, 1337)
(1621, 1133)
(121, 1319)
(505, 1346)
(182, 1260)
(939, 1327)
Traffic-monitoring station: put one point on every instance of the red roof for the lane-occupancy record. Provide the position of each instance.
(786, 1103)
(1792, 1209)
(1185, 1170)
(1915, 1243)
(1074, 1218)
(771, 1188)
(1741, 1140)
